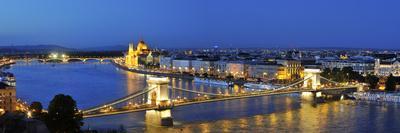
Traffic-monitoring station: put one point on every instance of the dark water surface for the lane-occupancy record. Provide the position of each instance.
(92, 84)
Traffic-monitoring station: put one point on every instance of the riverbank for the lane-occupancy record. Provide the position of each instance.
(172, 75)
(184, 76)
(379, 97)
(6, 64)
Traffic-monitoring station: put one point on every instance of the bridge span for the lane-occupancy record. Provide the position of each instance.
(67, 59)
(208, 100)
(159, 97)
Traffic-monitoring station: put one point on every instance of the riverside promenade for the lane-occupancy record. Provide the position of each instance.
(150, 72)
(379, 97)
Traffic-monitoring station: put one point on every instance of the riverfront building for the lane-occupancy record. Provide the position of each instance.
(237, 69)
(291, 69)
(386, 64)
(364, 65)
(262, 70)
(201, 66)
(7, 98)
(220, 68)
(182, 65)
(166, 63)
(134, 57)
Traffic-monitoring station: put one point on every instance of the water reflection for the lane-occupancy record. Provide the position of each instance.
(92, 84)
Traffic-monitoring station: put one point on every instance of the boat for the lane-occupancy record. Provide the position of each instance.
(210, 81)
(259, 86)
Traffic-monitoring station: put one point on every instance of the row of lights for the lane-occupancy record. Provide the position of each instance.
(56, 55)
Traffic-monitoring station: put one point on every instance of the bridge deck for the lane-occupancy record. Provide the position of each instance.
(241, 96)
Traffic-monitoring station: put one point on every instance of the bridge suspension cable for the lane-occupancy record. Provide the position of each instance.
(329, 80)
(120, 100)
(198, 92)
(290, 85)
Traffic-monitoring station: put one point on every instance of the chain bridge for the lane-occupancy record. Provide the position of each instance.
(158, 96)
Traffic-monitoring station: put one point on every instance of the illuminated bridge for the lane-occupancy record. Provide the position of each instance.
(66, 59)
(158, 96)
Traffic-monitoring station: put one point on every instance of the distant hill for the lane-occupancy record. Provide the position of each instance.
(107, 48)
(33, 49)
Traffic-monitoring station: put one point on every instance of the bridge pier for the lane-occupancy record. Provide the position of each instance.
(158, 118)
(311, 95)
(159, 97)
(313, 78)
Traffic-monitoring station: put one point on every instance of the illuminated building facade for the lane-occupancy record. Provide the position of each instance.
(362, 64)
(262, 70)
(220, 68)
(292, 69)
(7, 97)
(165, 63)
(182, 65)
(133, 56)
(385, 68)
(202, 66)
(237, 69)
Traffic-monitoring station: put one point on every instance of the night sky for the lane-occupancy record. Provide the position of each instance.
(202, 23)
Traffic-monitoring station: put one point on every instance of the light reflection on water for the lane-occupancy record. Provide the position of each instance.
(92, 84)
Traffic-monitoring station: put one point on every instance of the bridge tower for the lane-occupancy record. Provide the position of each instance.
(159, 97)
(313, 78)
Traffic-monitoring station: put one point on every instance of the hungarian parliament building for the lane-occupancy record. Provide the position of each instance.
(141, 56)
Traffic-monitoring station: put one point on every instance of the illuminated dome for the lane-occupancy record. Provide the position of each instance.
(142, 46)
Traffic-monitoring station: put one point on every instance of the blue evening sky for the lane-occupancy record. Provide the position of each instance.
(202, 23)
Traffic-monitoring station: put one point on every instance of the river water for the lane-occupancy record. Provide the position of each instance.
(93, 83)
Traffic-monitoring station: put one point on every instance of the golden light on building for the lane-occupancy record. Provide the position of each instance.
(132, 57)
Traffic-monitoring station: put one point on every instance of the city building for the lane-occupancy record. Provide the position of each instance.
(182, 65)
(292, 69)
(386, 68)
(137, 57)
(166, 63)
(237, 69)
(201, 66)
(7, 97)
(282, 73)
(364, 65)
(7, 78)
(386, 64)
(262, 70)
(220, 68)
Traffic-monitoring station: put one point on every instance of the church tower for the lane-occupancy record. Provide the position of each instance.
(134, 54)
(131, 58)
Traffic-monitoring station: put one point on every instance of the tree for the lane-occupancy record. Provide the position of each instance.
(372, 80)
(390, 84)
(36, 109)
(63, 115)
(12, 123)
(337, 75)
(327, 73)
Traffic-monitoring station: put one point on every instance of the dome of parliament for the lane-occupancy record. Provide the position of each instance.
(142, 46)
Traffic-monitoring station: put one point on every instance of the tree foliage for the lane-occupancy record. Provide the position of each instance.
(36, 109)
(342, 75)
(390, 84)
(63, 115)
(372, 80)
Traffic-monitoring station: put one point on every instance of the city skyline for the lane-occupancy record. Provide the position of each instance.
(199, 66)
(185, 24)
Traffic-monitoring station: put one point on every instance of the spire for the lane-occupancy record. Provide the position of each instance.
(131, 48)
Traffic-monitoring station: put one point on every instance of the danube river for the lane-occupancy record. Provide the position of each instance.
(92, 84)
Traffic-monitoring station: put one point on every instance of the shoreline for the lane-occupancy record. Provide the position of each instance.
(377, 97)
(178, 75)
(153, 73)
